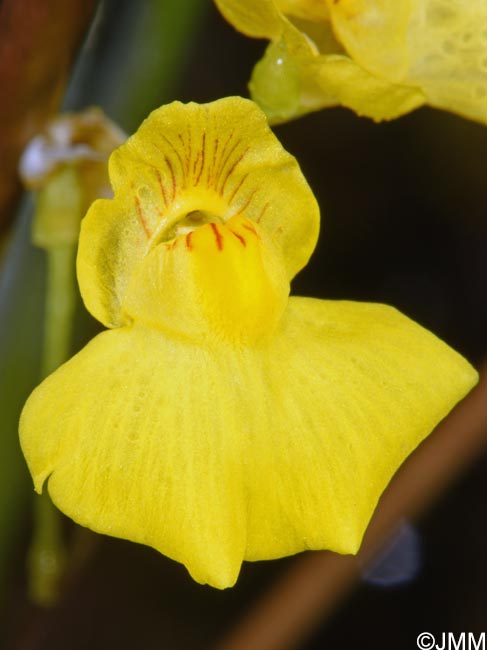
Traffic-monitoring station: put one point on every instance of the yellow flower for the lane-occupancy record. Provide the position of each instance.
(381, 58)
(219, 420)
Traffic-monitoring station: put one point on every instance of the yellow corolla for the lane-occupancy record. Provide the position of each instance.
(219, 420)
(381, 58)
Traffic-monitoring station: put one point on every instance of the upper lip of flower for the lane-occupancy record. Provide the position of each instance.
(220, 159)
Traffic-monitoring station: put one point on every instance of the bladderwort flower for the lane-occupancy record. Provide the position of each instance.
(380, 58)
(219, 420)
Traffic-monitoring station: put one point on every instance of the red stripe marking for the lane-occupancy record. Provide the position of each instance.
(178, 156)
(237, 187)
(263, 211)
(218, 236)
(211, 168)
(247, 226)
(231, 170)
(141, 217)
(239, 237)
(161, 185)
(173, 177)
(203, 151)
(187, 157)
(247, 203)
(190, 148)
(196, 161)
(189, 245)
(224, 160)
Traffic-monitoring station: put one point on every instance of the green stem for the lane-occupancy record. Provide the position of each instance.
(60, 303)
(47, 555)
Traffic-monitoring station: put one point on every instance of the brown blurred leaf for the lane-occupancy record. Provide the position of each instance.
(38, 42)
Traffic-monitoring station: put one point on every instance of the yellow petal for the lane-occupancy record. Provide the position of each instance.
(374, 33)
(133, 435)
(287, 84)
(366, 94)
(357, 387)
(220, 159)
(311, 10)
(220, 281)
(215, 454)
(256, 18)
(419, 51)
(299, 74)
(438, 46)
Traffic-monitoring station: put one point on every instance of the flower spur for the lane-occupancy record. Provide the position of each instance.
(219, 420)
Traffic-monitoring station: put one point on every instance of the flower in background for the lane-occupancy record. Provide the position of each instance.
(219, 420)
(381, 58)
(66, 165)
